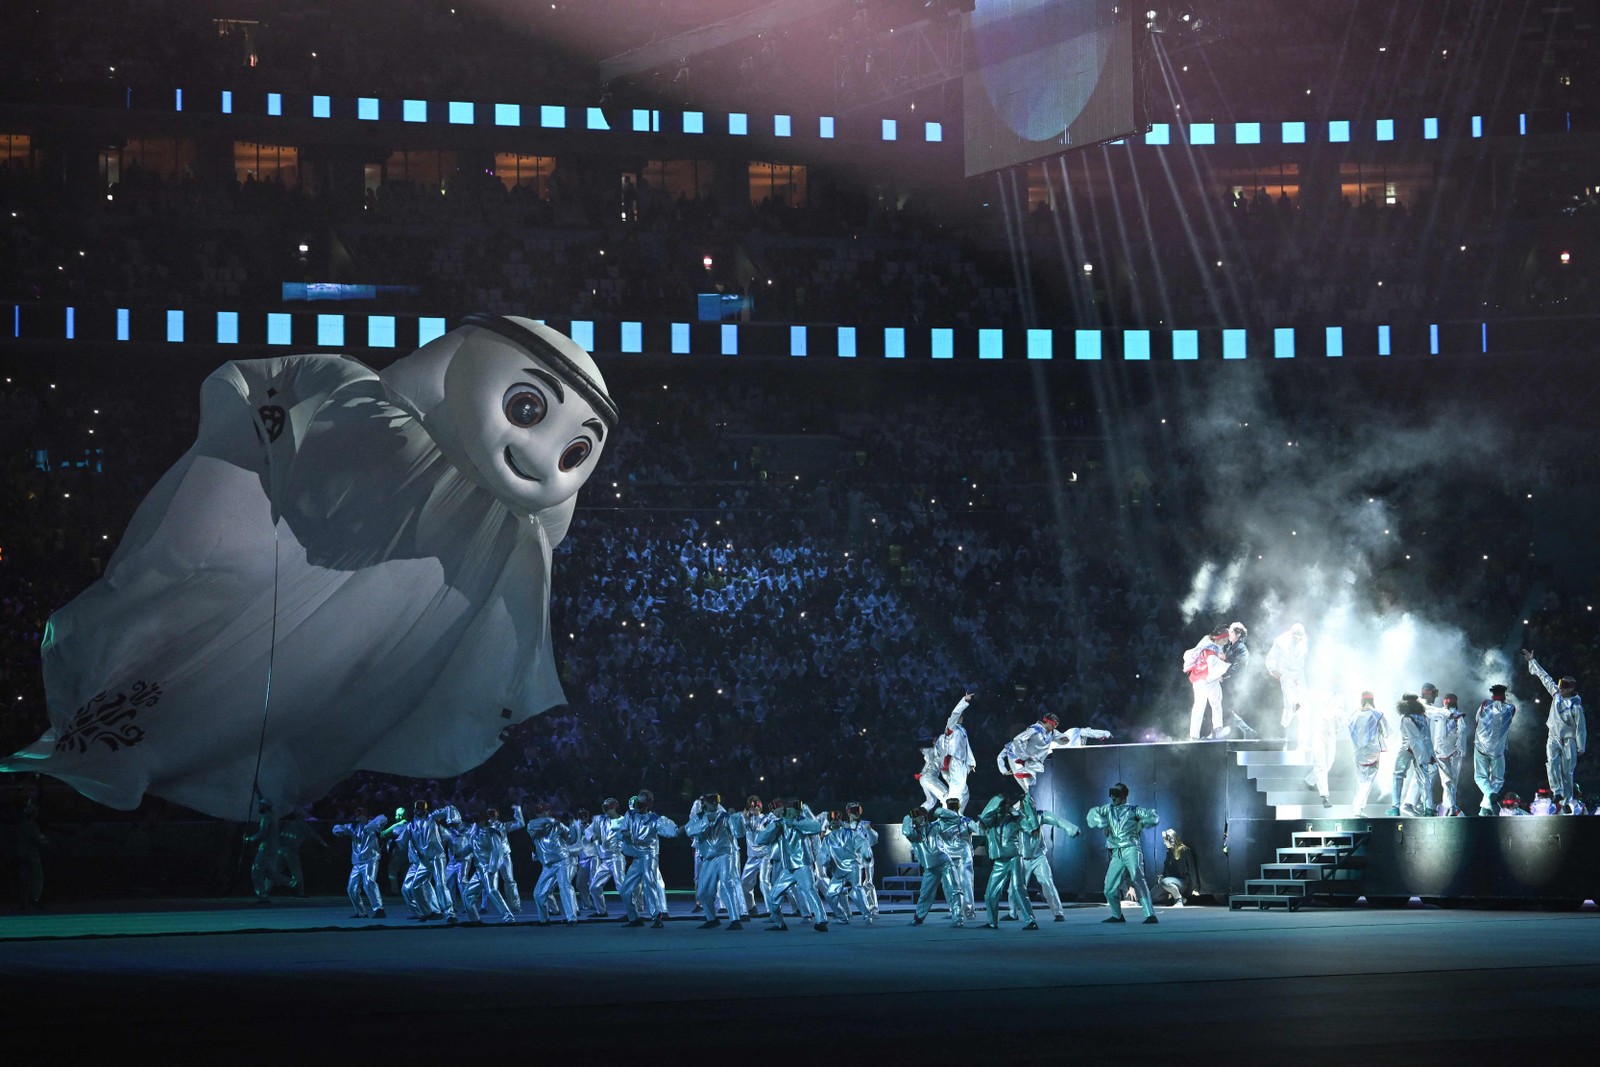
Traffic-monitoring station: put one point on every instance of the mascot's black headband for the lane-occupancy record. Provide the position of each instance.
(543, 350)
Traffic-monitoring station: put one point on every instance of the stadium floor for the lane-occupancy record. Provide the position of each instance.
(300, 981)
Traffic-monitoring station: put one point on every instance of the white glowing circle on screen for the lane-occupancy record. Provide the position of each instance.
(1040, 59)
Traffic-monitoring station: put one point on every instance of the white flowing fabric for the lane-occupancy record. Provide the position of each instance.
(331, 532)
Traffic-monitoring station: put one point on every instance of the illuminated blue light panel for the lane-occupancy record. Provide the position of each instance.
(330, 329)
(1477, 125)
(122, 324)
(942, 343)
(1522, 122)
(1383, 341)
(933, 132)
(891, 129)
(680, 338)
(595, 119)
(275, 104)
(991, 344)
(227, 327)
(1339, 130)
(71, 323)
(1430, 129)
(1335, 341)
(177, 100)
(552, 116)
(694, 122)
(428, 328)
(1160, 133)
(1294, 133)
(414, 110)
(462, 113)
(646, 121)
(1135, 344)
(1484, 334)
(1203, 133)
(175, 327)
(782, 126)
(738, 124)
(1041, 344)
(321, 107)
(847, 342)
(367, 108)
(730, 339)
(825, 127)
(1386, 129)
(1247, 133)
(280, 328)
(227, 101)
(633, 337)
(508, 114)
(894, 342)
(582, 332)
(1283, 342)
(1233, 344)
(380, 331)
(1433, 338)
(797, 340)
(1088, 344)
(1185, 344)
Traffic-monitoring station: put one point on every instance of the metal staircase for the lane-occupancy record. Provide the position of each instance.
(1325, 864)
(902, 886)
(1281, 777)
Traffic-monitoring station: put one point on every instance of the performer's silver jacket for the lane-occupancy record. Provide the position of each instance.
(1565, 722)
(641, 832)
(1494, 722)
(715, 834)
(551, 839)
(364, 838)
(1368, 729)
(787, 839)
(1415, 735)
(848, 851)
(1123, 823)
(1445, 726)
(953, 742)
(753, 825)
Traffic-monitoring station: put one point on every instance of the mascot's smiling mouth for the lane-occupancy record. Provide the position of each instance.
(517, 470)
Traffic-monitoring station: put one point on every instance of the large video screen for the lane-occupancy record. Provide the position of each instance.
(1049, 75)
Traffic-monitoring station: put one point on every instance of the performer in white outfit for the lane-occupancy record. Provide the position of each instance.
(1368, 732)
(602, 834)
(1023, 756)
(1446, 723)
(1495, 716)
(364, 848)
(1286, 662)
(1320, 730)
(1568, 733)
(954, 753)
(856, 823)
(757, 872)
(641, 831)
(930, 778)
(1205, 665)
(1415, 757)
(500, 871)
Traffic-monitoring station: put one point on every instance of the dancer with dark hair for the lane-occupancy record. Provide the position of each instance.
(1123, 824)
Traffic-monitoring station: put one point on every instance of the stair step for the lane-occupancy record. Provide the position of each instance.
(1273, 759)
(1309, 855)
(901, 883)
(1240, 900)
(1345, 838)
(1312, 809)
(1286, 886)
(1312, 872)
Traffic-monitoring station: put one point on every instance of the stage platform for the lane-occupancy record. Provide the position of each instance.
(298, 983)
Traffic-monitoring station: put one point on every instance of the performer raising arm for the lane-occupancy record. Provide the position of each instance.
(1569, 734)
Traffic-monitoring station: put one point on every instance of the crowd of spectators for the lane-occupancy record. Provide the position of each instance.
(782, 579)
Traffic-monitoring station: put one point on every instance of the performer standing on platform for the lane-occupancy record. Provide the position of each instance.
(1368, 731)
(1415, 756)
(1205, 666)
(1569, 734)
(1286, 663)
(1445, 722)
(1489, 746)
(1123, 824)
(1238, 686)
(954, 754)
(364, 848)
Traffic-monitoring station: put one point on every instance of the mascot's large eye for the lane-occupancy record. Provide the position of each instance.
(524, 406)
(575, 453)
